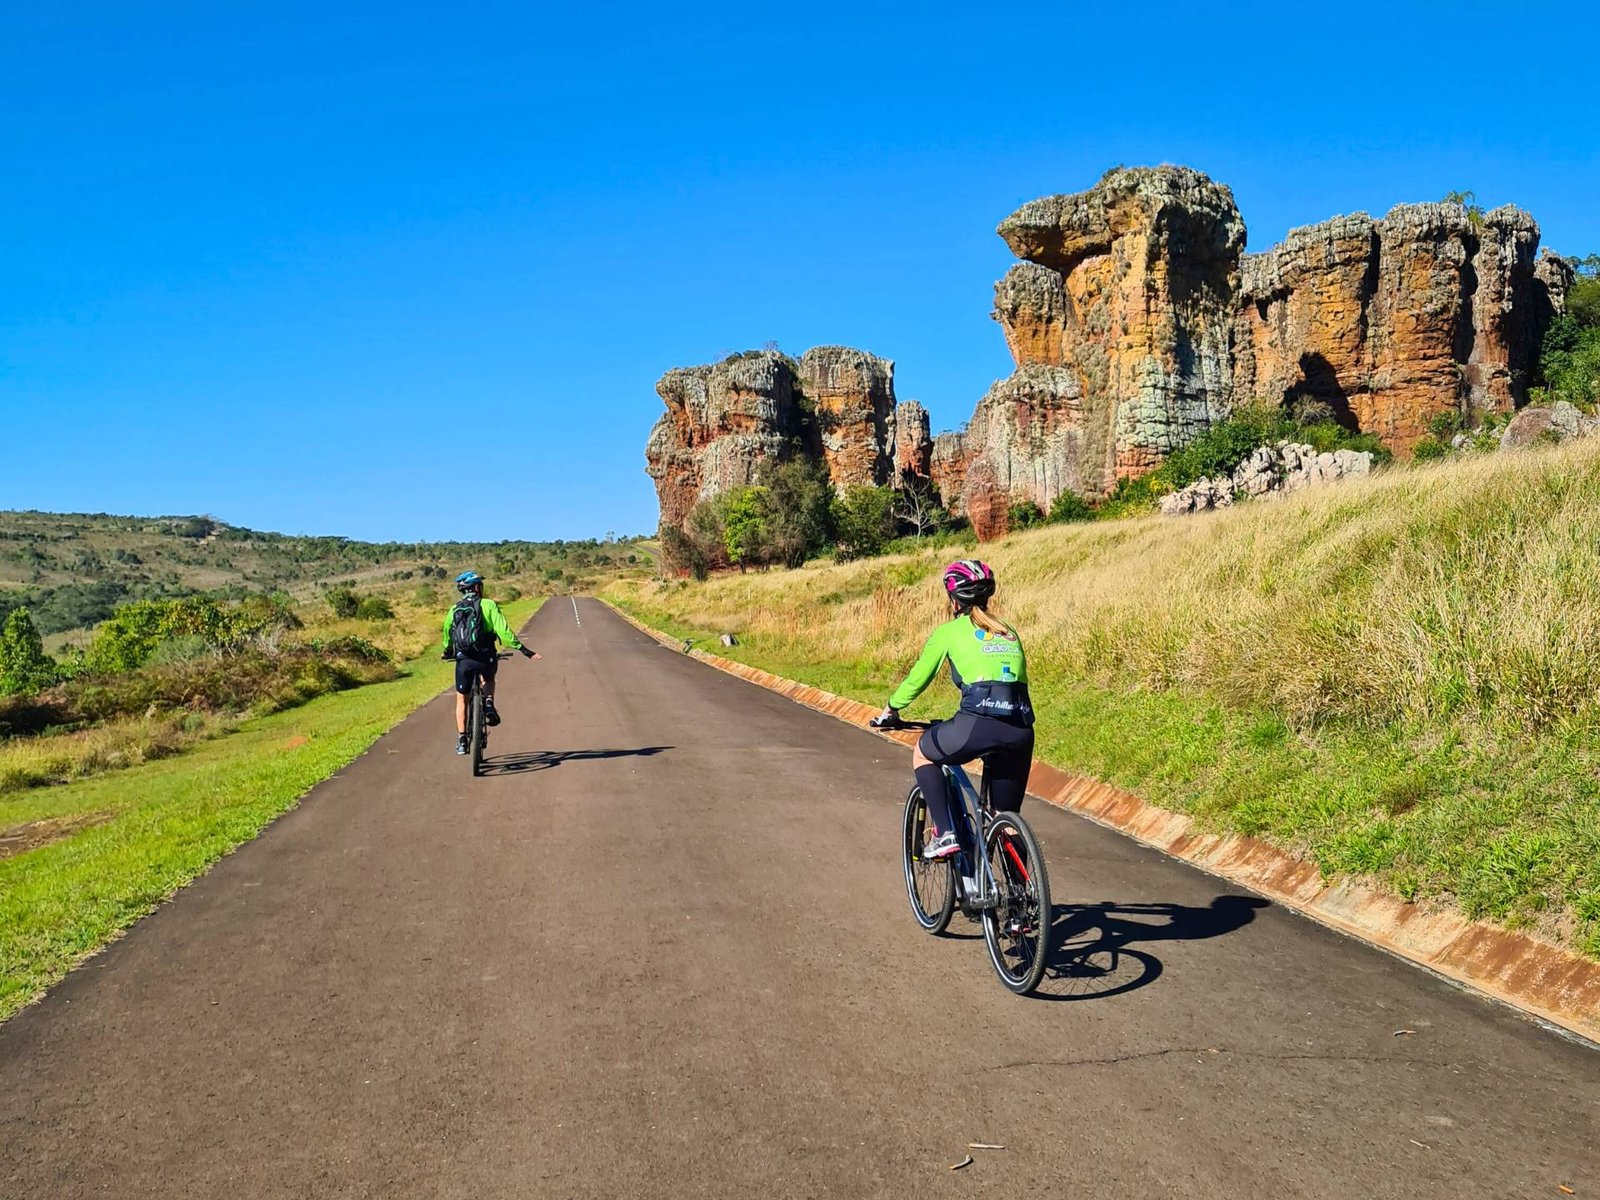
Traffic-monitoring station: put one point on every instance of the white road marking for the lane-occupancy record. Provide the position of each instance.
(575, 615)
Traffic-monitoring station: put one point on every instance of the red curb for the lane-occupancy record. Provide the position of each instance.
(1517, 968)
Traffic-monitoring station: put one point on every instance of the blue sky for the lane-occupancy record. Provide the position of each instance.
(396, 271)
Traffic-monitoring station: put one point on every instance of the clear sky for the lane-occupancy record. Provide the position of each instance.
(403, 271)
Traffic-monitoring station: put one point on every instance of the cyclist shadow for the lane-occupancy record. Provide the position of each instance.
(1097, 949)
(545, 760)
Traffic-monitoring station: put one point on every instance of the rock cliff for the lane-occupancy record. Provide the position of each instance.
(851, 395)
(1119, 320)
(1393, 322)
(724, 419)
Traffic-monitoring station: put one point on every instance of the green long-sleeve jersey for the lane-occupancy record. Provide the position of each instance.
(493, 619)
(991, 671)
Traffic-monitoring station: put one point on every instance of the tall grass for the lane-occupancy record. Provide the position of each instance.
(1399, 676)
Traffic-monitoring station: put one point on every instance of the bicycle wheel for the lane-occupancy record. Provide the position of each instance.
(475, 726)
(930, 882)
(1017, 928)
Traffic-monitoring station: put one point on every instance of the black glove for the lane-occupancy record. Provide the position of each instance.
(525, 652)
(889, 718)
(447, 656)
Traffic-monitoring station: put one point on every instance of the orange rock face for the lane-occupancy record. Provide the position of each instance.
(721, 422)
(725, 419)
(1394, 322)
(851, 394)
(1119, 321)
(913, 442)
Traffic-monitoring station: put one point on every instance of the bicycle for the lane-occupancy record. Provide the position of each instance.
(1008, 892)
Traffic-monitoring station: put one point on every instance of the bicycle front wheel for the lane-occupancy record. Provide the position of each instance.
(1017, 928)
(475, 727)
(930, 882)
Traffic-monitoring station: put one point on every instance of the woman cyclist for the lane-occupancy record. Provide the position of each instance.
(995, 718)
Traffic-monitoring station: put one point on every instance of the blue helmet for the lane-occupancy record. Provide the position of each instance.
(468, 580)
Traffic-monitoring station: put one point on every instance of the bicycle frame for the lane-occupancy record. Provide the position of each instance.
(975, 812)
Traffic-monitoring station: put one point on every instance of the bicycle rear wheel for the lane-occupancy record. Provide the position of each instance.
(1017, 928)
(475, 733)
(930, 882)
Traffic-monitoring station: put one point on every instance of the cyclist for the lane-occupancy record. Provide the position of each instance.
(995, 718)
(471, 629)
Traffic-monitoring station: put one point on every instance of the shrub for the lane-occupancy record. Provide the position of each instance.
(864, 520)
(1023, 514)
(745, 515)
(374, 608)
(343, 601)
(1069, 506)
(510, 593)
(1430, 449)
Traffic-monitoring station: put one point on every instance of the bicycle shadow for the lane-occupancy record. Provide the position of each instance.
(1096, 949)
(545, 760)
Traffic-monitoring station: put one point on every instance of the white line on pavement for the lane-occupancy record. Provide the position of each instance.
(575, 615)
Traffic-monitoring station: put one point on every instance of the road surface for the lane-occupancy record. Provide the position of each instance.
(663, 950)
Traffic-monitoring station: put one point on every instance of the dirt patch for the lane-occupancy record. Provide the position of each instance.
(19, 839)
(297, 741)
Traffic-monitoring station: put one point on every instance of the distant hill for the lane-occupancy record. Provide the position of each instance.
(72, 569)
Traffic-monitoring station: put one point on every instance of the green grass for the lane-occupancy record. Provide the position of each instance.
(170, 820)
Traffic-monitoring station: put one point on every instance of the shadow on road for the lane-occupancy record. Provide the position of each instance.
(544, 760)
(1098, 948)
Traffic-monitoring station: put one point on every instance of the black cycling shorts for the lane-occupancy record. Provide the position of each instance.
(1007, 752)
(466, 668)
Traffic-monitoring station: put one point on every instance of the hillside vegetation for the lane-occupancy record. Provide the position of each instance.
(1399, 677)
(71, 570)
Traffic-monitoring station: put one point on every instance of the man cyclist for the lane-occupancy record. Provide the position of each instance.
(995, 720)
(471, 630)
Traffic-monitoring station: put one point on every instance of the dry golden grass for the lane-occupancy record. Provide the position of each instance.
(1460, 591)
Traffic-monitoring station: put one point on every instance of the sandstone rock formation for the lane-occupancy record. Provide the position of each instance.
(913, 442)
(1393, 322)
(947, 466)
(851, 394)
(1119, 321)
(1270, 471)
(1136, 322)
(724, 419)
(1559, 422)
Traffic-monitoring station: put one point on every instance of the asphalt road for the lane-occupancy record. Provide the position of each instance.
(663, 950)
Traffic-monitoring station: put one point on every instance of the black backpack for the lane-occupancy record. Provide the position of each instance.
(469, 636)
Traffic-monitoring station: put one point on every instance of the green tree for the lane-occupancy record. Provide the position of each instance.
(745, 525)
(707, 534)
(799, 493)
(679, 553)
(864, 520)
(24, 666)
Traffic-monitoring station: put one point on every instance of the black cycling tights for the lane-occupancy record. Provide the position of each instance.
(964, 737)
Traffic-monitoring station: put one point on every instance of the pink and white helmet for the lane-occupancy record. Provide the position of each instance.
(969, 581)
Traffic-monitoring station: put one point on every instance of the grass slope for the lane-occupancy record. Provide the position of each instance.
(160, 825)
(1398, 677)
